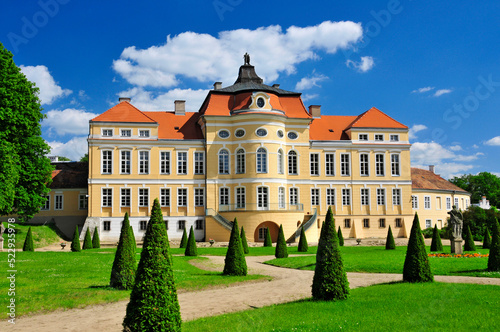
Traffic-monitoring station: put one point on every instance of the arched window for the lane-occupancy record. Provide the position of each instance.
(281, 162)
(292, 163)
(240, 161)
(223, 162)
(261, 160)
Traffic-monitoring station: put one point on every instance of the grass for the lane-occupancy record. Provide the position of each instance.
(254, 251)
(42, 235)
(379, 260)
(46, 281)
(389, 307)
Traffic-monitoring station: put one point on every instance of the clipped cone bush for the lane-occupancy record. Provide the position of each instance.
(389, 242)
(75, 244)
(184, 239)
(330, 280)
(267, 239)
(96, 242)
(436, 244)
(303, 246)
(235, 263)
(341, 238)
(494, 257)
(191, 249)
(87, 240)
(124, 265)
(153, 302)
(28, 242)
(281, 250)
(244, 242)
(469, 244)
(133, 243)
(416, 267)
(486, 239)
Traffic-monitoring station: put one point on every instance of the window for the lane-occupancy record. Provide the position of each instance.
(107, 197)
(198, 224)
(394, 138)
(379, 137)
(366, 223)
(345, 167)
(330, 164)
(165, 196)
(125, 197)
(292, 135)
(438, 203)
(261, 102)
(347, 223)
(199, 196)
(330, 196)
(262, 233)
(396, 196)
(364, 165)
(107, 162)
(398, 222)
(280, 134)
(181, 162)
(240, 198)
(395, 164)
(346, 196)
(223, 162)
(427, 202)
(314, 163)
(239, 133)
(223, 133)
(363, 137)
(414, 202)
(125, 162)
(107, 132)
(428, 223)
(381, 223)
(106, 225)
(293, 198)
(261, 160)
(314, 196)
(224, 196)
(261, 132)
(143, 224)
(281, 162)
(58, 199)
(126, 133)
(262, 198)
(379, 165)
(143, 162)
(281, 197)
(143, 133)
(82, 201)
(46, 205)
(181, 224)
(165, 162)
(182, 197)
(292, 163)
(143, 197)
(240, 161)
(448, 203)
(456, 202)
(380, 196)
(365, 196)
(199, 163)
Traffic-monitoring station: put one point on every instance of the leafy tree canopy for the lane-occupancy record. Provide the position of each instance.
(482, 184)
(85, 158)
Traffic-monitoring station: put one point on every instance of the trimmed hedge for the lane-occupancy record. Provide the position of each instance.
(75, 244)
(303, 246)
(436, 244)
(341, 238)
(184, 239)
(235, 263)
(124, 264)
(267, 239)
(486, 239)
(87, 240)
(28, 242)
(244, 242)
(390, 244)
(191, 249)
(416, 267)
(469, 244)
(494, 257)
(133, 243)
(281, 250)
(96, 242)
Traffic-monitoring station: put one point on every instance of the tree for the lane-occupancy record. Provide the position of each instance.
(281, 250)
(486, 239)
(191, 245)
(469, 244)
(153, 302)
(25, 171)
(436, 244)
(482, 184)
(96, 242)
(244, 242)
(389, 242)
(330, 280)
(28, 242)
(124, 264)
(235, 263)
(416, 267)
(133, 243)
(184, 239)
(85, 158)
(75, 244)
(61, 158)
(303, 246)
(341, 238)
(87, 240)
(494, 256)
(267, 239)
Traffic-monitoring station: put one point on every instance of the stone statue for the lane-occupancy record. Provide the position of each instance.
(246, 58)
(457, 221)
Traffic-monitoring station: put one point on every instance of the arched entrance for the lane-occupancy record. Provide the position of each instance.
(259, 234)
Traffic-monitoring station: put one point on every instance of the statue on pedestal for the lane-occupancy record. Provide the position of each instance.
(457, 222)
(246, 58)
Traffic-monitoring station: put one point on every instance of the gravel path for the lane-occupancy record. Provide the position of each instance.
(287, 285)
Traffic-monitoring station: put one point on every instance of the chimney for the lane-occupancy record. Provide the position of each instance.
(180, 107)
(431, 168)
(123, 99)
(315, 111)
(277, 86)
(217, 85)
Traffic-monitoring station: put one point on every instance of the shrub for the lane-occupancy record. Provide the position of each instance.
(341, 238)
(494, 257)
(153, 302)
(436, 244)
(124, 265)
(267, 239)
(487, 239)
(96, 242)
(416, 267)
(428, 232)
(281, 250)
(133, 243)
(87, 240)
(244, 242)
(330, 280)
(28, 242)
(184, 239)
(389, 242)
(469, 240)
(303, 246)
(191, 249)
(75, 244)
(235, 263)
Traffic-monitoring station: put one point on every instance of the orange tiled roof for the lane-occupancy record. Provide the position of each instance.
(424, 179)
(123, 112)
(320, 128)
(168, 121)
(374, 118)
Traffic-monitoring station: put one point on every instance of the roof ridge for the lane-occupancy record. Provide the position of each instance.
(138, 110)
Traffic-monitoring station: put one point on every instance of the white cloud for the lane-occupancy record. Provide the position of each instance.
(422, 90)
(469, 158)
(309, 82)
(415, 129)
(207, 58)
(73, 149)
(68, 121)
(307, 97)
(362, 66)
(49, 90)
(455, 148)
(495, 141)
(441, 92)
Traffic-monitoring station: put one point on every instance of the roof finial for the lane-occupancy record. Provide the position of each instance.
(246, 57)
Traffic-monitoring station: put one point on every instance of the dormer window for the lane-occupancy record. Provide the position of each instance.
(143, 133)
(363, 137)
(126, 133)
(107, 132)
(394, 138)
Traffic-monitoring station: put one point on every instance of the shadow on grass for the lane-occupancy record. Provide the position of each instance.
(105, 287)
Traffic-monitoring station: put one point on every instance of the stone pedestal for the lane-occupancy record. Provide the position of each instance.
(456, 246)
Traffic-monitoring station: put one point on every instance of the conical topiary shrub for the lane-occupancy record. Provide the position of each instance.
(184, 239)
(469, 244)
(191, 249)
(87, 240)
(235, 263)
(416, 267)
(303, 246)
(486, 239)
(436, 244)
(341, 238)
(28, 242)
(267, 239)
(124, 265)
(96, 242)
(389, 242)
(244, 242)
(281, 250)
(153, 302)
(75, 244)
(494, 257)
(133, 243)
(330, 280)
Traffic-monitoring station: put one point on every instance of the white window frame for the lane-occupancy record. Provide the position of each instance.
(364, 165)
(381, 196)
(281, 198)
(379, 164)
(223, 162)
(281, 161)
(106, 225)
(165, 196)
(456, 202)
(165, 158)
(125, 130)
(240, 197)
(125, 164)
(199, 197)
(199, 165)
(240, 161)
(379, 137)
(330, 164)
(345, 164)
(363, 137)
(330, 196)
(346, 196)
(394, 137)
(395, 164)
(261, 160)
(127, 197)
(293, 196)
(224, 196)
(143, 197)
(414, 202)
(108, 202)
(315, 196)
(448, 203)
(106, 131)
(396, 196)
(58, 202)
(143, 166)
(428, 223)
(293, 162)
(427, 202)
(143, 225)
(147, 133)
(182, 197)
(365, 196)
(314, 164)
(46, 204)
(262, 198)
(107, 163)
(182, 163)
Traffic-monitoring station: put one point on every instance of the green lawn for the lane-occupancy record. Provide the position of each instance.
(379, 260)
(254, 251)
(42, 235)
(394, 307)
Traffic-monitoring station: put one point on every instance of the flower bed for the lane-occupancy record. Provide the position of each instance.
(476, 255)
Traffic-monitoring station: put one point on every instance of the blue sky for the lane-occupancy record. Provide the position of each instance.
(433, 66)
